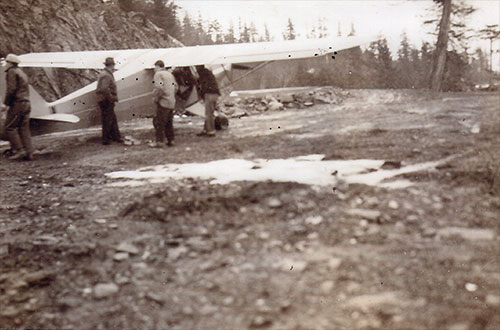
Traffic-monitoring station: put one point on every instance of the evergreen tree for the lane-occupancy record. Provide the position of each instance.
(289, 33)
(229, 37)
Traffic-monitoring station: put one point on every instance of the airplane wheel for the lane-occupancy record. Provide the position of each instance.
(221, 122)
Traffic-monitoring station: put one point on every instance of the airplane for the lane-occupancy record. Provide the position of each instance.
(134, 76)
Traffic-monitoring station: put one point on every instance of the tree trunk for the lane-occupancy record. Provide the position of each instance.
(441, 48)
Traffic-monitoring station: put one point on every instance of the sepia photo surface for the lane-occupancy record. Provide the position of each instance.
(250, 164)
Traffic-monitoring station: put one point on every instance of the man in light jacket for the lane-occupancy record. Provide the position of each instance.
(165, 88)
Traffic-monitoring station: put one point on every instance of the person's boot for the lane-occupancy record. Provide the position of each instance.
(18, 155)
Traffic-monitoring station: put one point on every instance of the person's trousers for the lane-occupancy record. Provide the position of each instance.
(17, 127)
(210, 103)
(163, 123)
(110, 130)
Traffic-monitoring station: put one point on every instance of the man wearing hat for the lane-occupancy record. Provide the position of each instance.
(106, 98)
(17, 98)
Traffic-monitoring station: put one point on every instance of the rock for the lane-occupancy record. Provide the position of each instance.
(286, 98)
(393, 205)
(493, 300)
(471, 287)
(370, 215)
(208, 310)
(104, 290)
(261, 321)
(127, 247)
(228, 301)
(156, 298)
(200, 245)
(275, 105)
(264, 235)
(187, 310)
(467, 233)
(327, 286)
(367, 302)
(4, 250)
(313, 236)
(100, 221)
(10, 312)
(241, 236)
(113, 226)
(120, 256)
(42, 277)
(314, 220)
(334, 263)
(274, 203)
(120, 279)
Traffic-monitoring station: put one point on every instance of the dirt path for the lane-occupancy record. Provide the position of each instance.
(262, 253)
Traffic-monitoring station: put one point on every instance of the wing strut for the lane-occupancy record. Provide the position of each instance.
(258, 67)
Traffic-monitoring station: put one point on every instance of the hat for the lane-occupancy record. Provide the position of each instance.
(13, 59)
(109, 61)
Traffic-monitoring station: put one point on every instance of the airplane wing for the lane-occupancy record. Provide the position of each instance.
(136, 59)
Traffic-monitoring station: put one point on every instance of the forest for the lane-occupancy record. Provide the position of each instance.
(373, 67)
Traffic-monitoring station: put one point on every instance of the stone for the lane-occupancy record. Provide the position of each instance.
(327, 286)
(4, 250)
(274, 203)
(393, 205)
(127, 247)
(198, 244)
(208, 310)
(471, 287)
(334, 263)
(100, 221)
(493, 300)
(176, 253)
(264, 235)
(366, 302)
(314, 220)
(156, 298)
(228, 301)
(104, 290)
(120, 256)
(370, 215)
(467, 233)
(42, 277)
(261, 321)
(120, 279)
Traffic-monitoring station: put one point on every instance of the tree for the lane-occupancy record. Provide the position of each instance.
(439, 62)
(267, 35)
(490, 32)
(289, 33)
(229, 37)
(353, 32)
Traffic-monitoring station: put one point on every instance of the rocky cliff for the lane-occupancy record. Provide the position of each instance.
(72, 25)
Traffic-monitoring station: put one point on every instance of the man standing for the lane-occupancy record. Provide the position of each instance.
(209, 92)
(17, 123)
(165, 88)
(106, 98)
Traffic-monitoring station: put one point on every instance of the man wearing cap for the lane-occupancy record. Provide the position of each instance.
(17, 99)
(106, 98)
(165, 88)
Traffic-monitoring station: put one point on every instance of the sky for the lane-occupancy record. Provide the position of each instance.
(388, 17)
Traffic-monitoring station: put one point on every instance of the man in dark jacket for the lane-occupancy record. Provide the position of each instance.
(106, 98)
(17, 123)
(209, 92)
